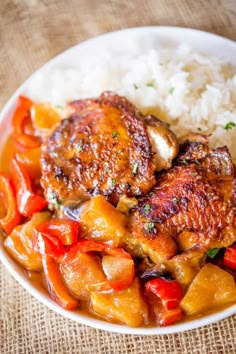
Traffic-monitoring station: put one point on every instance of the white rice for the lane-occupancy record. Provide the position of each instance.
(189, 90)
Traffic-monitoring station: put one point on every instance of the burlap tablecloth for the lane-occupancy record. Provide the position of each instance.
(31, 33)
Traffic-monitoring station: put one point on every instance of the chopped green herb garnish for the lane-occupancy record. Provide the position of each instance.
(197, 162)
(213, 252)
(150, 84)
(175, 200)
(135, 86)
(168, 125)
(51, 197)
(113, 181)
(135, 168)
(184, 162)
(80, 148)
(149, 226)
(229, 126)
(171, 90)
(114, 134)
(193, 174)
(147, 208)
(199, 129)
(59, 106)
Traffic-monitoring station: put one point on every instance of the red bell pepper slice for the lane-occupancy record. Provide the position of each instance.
(65, 230)
(30, 160)
(12, 217)
(168, 317)
(25, 102)
(27, 201)
(230, 257)
(56, 285)
(46, 244)
(169, 292)
(84, 246)
(109, 286)
(20, 116)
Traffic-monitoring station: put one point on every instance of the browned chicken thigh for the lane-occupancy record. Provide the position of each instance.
(192, 205)
(105, 147)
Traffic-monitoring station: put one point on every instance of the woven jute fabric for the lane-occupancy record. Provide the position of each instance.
(31, 33)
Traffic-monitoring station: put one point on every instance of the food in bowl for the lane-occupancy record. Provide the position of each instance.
(105, 147)
(116, 214)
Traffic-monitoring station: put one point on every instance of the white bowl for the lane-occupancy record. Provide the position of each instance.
(120, 40)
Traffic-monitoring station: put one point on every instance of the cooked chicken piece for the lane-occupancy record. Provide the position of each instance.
(146, 240)
(105, 147)
(193, 205)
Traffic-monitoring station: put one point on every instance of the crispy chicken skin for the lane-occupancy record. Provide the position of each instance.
(192, 205)
(103, 148)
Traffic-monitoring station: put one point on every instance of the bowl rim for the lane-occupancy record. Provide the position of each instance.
(16, 270)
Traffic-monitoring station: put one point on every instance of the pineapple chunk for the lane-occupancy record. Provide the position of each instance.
(44, 117)
(80, 272)
(127, 306)
(19, 242)
(117, 267)
(211, 287)
(184, 267)
(102, 222)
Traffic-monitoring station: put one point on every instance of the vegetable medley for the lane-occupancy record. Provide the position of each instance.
(82, 262)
